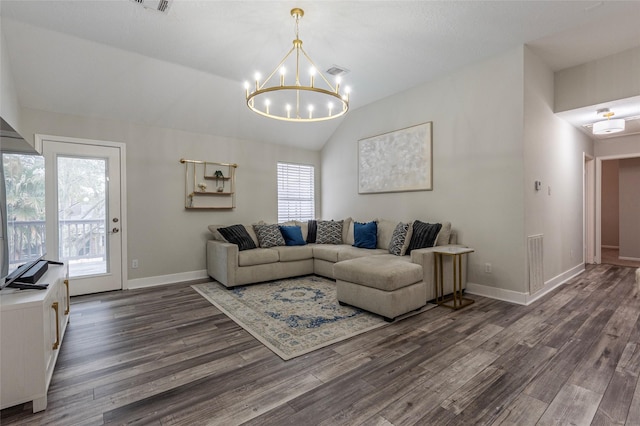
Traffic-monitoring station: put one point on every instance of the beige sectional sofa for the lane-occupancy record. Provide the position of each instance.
(232, 267)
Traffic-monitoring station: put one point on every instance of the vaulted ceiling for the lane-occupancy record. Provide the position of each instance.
(184, 69)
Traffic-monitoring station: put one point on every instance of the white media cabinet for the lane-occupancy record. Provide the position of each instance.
(32, 325)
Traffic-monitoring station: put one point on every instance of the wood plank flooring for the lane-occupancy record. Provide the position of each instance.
(165, 356)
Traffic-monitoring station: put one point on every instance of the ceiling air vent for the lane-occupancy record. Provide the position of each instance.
(336, 70)
(159, 5)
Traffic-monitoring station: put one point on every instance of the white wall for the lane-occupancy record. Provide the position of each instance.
(630, 208)
(554, 154)
(162, 235)
(614, 77)
(477, 116)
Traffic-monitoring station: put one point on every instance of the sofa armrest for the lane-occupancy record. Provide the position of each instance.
(426, 258)
(222, 262)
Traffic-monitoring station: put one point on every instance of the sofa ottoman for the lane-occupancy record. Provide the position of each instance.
(385, 285)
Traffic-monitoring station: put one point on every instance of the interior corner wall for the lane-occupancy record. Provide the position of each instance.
(611, 78)
(610, 208)
(629, 190)
(477, 120)
(9, 105)
(164, 237)
(554, 154)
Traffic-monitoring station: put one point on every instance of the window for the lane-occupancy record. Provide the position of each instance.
(24, 197)
(296, 194)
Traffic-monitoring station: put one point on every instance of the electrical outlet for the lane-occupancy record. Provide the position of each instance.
(134, 263)
(487, 268)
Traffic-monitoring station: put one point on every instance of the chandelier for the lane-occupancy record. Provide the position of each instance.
(288, 98)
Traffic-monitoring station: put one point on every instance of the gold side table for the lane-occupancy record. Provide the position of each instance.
(455, 301)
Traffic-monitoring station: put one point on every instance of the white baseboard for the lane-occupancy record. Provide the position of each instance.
(496, 293)
(166, 279)
(635, 259)
(521, 298)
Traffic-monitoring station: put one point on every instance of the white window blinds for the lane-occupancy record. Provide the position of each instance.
(296, 195)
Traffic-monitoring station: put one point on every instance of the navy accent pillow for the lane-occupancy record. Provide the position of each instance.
(311, 232)
(365, 235)
(292, 235)
(424, 235)
(238, 235)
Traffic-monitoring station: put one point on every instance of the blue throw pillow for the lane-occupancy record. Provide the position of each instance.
(365, 235)
(292, 235)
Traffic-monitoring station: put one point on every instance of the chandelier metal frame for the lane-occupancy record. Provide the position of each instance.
(293, 111)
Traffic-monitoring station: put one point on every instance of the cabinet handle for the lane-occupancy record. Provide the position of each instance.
(54, 305)
(66, 312)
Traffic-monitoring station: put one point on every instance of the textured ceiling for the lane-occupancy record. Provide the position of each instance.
(185, 69)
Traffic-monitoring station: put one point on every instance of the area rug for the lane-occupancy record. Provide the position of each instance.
(292, 317)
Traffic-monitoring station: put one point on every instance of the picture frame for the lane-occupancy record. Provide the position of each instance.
(397, 161)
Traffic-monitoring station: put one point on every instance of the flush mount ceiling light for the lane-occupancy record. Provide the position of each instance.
(292, 100)
(608, 126)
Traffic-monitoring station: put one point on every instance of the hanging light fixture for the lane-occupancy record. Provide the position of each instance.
(297, 101)
(608, 126)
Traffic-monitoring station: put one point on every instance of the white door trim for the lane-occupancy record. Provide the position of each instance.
(598, 256)
(40, 138)
(589, 227)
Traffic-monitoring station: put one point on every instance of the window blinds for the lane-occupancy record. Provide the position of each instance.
(296, 194)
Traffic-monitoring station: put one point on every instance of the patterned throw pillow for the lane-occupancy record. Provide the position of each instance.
(424, 235)
(238, 235)
(269, 235)
(398, 238)
(329, 232)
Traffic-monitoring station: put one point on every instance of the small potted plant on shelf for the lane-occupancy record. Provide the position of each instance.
(219, 177)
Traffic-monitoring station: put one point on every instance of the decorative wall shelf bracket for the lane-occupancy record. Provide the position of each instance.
(209, 185)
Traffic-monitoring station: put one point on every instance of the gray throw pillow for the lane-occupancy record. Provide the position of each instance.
(398, 238)
(269, 235)
(329, 232)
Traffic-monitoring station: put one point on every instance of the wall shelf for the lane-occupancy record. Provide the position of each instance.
(202, 179)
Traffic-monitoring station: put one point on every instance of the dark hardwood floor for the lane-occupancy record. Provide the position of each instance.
(164, 356)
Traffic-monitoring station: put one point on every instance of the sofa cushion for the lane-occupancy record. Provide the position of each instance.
(238, 235)
(292, 235)
(349, 252)
(329, 232)
(385, 231)
(365, 235)
(304, 228)
(258, 256)
(327, 252)
(398, 238)
(386, 272)
(269, 235)
(346, 223)
(424, 235)
(445, 235)
(290, 254)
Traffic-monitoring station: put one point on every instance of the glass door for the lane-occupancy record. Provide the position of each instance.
(83, 183)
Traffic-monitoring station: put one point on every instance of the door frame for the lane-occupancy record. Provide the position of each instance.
(599, 159)
(40, 138)
(589, 220)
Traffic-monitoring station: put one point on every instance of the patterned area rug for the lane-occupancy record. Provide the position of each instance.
(292, 317)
